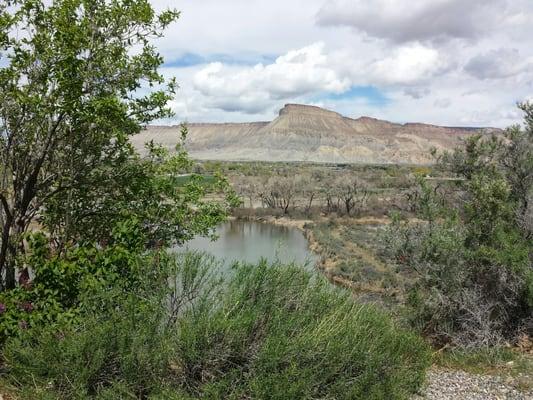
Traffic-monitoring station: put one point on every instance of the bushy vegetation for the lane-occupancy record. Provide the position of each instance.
(309, 190)
(266, 331)
(70, 100)
(473, 251)
(53, 297)
(93, 303)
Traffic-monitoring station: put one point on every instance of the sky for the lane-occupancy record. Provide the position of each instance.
(446, 62)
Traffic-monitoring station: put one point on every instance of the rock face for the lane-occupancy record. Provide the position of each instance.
(312, 134)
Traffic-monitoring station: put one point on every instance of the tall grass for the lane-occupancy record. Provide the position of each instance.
(266, 332)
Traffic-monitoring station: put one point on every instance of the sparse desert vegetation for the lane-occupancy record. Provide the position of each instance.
(447, 248)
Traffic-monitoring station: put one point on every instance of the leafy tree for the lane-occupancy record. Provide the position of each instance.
(173, 204)
(72, 91)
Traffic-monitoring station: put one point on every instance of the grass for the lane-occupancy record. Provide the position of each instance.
(268, 332)
(505, 362)
(352, 251)
(485, 361)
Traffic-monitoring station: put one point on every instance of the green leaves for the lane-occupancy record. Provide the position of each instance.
(472, 250)
(73, 91)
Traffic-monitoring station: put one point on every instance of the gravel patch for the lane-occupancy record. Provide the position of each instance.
(459, 385)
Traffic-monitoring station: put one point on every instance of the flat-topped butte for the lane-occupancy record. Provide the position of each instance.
(313, 134)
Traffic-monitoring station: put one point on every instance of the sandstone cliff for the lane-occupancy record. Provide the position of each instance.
(308, 133)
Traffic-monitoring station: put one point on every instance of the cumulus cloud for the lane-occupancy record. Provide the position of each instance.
(414, 20)
(297, 73)
(448, 62)
(497, 64)
(314, 70)
(410, 64)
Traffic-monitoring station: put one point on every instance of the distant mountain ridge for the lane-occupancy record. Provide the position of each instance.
(313, 134)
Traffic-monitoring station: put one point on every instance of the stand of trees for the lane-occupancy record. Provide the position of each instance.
(341, 192)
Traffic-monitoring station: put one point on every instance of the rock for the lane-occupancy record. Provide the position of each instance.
(459, 385)
(312, 134)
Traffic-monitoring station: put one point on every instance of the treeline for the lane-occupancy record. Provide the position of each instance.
(336, 192)
(318, 192)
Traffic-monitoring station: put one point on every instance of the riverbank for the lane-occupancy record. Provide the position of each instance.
(349, 251)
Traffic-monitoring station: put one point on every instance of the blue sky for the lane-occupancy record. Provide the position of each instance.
(449, 62)
(193, 59)
(370, 94)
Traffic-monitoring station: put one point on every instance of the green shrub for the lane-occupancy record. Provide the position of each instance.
(125, 351)
(474, 253)
(268, 332)
(117, 347)
(279, 333)
(59, 279)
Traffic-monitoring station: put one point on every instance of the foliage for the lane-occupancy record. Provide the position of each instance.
(67, 100)
(280, 333)
(116, 349)
(159, 190)
(474, 253)
(71, 94)
(103, 309)
(53, 296)
(23, 309)
(268, 332)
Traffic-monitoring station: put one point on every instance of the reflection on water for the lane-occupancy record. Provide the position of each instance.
(250, 241)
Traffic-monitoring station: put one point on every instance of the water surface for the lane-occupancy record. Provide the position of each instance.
(250, 241)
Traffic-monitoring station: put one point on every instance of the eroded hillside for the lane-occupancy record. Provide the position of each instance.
(308, 133)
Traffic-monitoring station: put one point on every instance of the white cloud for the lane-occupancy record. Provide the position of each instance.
(402, 21)
(309, 71)
(408, 65)
(497, 64)
(448, 62)
(297, 73)
(241, 26)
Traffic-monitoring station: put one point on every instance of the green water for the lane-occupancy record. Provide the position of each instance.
(250, 241)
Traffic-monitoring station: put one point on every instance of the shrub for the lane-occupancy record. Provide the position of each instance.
(59, 279)
(119, 345)
(124, 352)
(474, 257)
(273, 332)
(280, 333)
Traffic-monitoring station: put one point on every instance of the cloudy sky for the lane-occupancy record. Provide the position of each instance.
(449, 62)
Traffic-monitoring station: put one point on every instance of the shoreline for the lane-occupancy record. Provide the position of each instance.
(324, 264)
